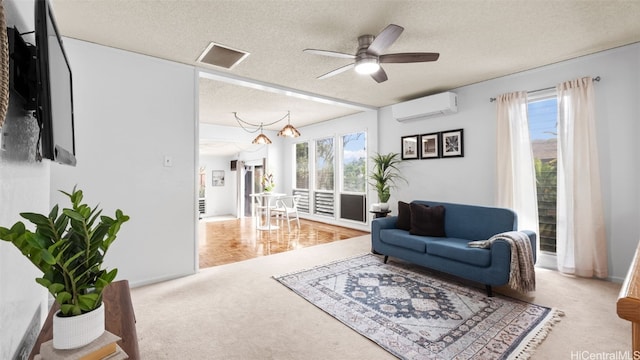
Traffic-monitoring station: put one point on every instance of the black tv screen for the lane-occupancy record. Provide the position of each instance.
(55, 94)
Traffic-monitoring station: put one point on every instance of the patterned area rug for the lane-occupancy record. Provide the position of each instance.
(414, 314)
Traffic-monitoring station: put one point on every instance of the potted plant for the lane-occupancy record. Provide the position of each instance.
(268, 183)
(69, 246)
(384, 177)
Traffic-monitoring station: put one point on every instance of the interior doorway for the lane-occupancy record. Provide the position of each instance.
(250, 184)
(248, 179)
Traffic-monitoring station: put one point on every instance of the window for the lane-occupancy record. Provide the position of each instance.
(354, 170)
(302, 165)
(301, 186)
(543, 115)
(324, 164)
(323, 196)
(318, 162)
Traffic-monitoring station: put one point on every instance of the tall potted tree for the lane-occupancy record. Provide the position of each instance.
(385, 175)
(69, 246)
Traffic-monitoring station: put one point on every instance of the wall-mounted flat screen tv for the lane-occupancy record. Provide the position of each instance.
(54, 89)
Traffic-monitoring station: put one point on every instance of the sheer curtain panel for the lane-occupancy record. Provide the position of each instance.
(581, 237)
(516, 180)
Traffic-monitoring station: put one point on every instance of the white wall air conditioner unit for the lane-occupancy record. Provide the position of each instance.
(425, 107)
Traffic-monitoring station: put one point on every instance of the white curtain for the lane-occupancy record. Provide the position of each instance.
(516, 180)
(581, 237)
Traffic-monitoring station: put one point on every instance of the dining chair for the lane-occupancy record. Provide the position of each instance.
(260, 211)
(287, 207)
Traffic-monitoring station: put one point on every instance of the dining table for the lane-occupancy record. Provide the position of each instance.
(265, 201)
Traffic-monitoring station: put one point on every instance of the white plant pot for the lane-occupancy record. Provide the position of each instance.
(77, 331)
(375, 207)
(384, 206)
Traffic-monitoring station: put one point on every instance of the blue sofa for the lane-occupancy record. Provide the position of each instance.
(450, 254)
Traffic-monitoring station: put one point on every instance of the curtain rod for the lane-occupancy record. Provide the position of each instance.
(597, 78)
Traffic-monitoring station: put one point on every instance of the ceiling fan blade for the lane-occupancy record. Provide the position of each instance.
(379, 75)
(386, 37)
(408, 57)
(329, 53)
(336, 71)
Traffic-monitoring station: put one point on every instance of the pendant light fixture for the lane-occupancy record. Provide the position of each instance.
(288, 130)
(262, 138)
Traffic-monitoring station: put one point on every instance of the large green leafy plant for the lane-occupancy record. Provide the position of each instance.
(385, 174)
(69, 248)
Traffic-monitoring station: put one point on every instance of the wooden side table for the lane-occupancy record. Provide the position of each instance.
(380, 213)
(119, 319)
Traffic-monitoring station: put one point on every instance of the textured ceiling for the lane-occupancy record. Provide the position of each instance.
(477, 41)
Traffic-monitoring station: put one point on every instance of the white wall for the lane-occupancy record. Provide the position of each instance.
(24, 186)
(471, 179)
(132, 111)
(220, 200)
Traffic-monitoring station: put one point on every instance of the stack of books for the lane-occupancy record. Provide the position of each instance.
(103, 348)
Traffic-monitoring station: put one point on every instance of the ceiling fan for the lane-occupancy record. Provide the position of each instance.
(369, 55)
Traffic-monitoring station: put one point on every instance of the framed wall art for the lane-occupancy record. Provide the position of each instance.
(430, 146)
(217, 178)
(410, 147)
(452, 143)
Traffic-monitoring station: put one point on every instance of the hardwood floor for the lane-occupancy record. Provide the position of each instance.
(226, 241)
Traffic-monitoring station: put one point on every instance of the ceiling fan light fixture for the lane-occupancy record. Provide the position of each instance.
(367, 66)
(371, 52)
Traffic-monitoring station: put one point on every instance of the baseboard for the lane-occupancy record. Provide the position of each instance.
(140, 283)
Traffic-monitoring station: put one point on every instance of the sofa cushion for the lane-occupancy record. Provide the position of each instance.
(457, 249)
(474, 222)
(404, 216)
(402, 238)
(427, 221)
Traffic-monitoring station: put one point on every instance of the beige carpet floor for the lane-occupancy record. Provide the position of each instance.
(237, 311)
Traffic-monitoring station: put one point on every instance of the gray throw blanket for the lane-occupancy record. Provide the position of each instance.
(522, 275)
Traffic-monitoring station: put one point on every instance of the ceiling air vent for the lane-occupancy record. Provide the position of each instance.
(222, 56)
